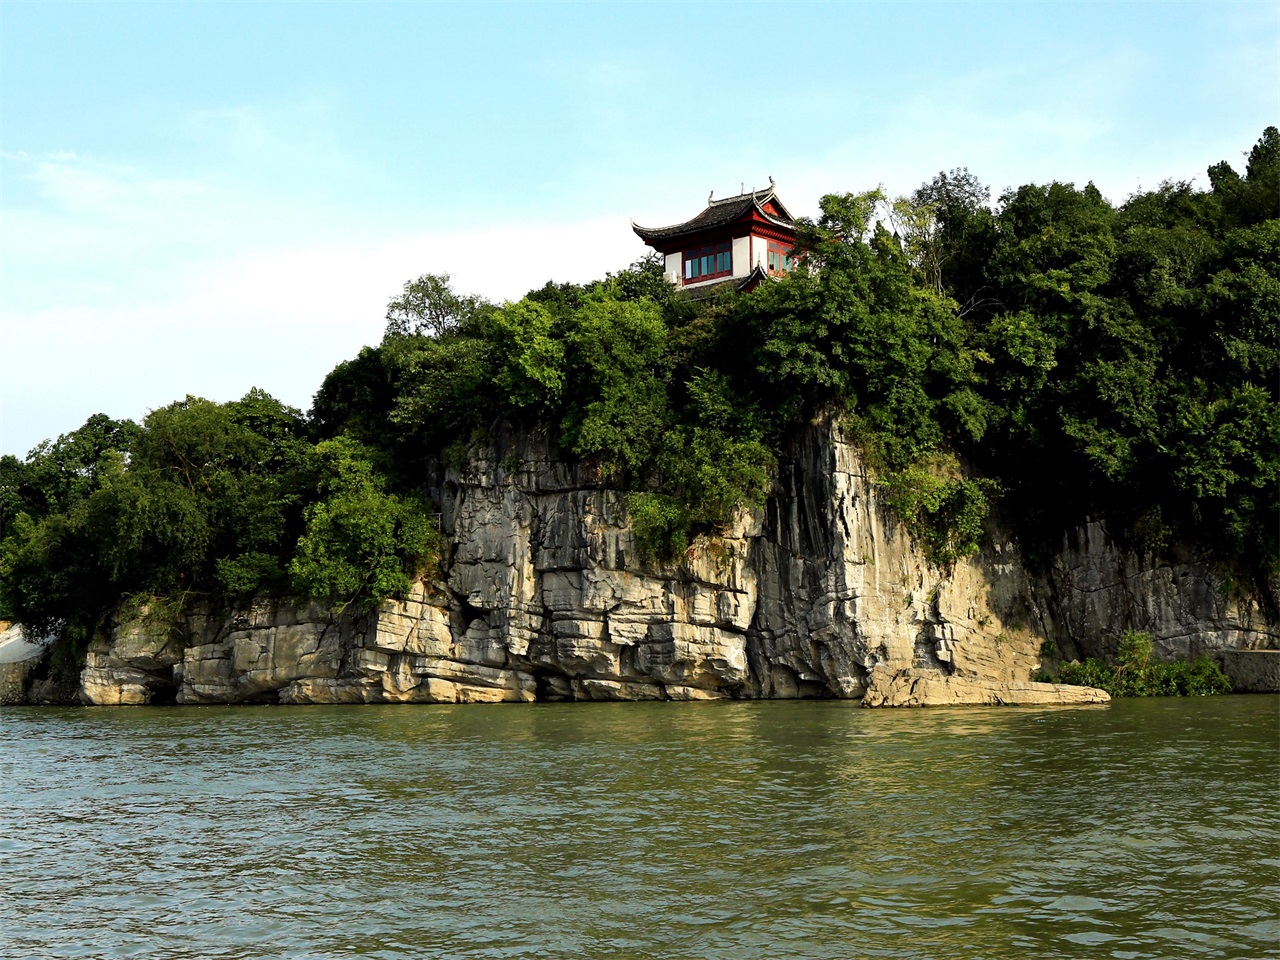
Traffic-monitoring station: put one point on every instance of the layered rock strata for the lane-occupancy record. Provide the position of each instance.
(542, 596)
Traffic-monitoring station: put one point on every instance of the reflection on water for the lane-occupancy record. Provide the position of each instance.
(770, 830)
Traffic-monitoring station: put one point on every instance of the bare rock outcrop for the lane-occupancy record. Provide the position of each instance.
(19, 658)
(542, 595)
(928, 688)
(28, 675)
(1096, 589)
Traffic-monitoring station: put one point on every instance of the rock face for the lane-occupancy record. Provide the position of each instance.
(1252, 671)
(1095, 591)
(929, 688)
(136, 667)
(18, 660)
(27, 675)
(542, 596)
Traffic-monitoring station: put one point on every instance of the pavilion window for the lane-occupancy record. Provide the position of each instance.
(780, 259)
(704, 263)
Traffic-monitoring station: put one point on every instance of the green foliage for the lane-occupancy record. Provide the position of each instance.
(1127, 357)
(963, 236)
(661, 525)
(443, 390)
(209, 482)
(248, 573)
(357, 399)
(429, 307)
(708, 472)
(531, 359)
(58, 474)
(1198, 677)
(209, 500)
(46, 524)
(1135, 674)
(946, 512)
(618, 406)
(1134, 650)
(360, 542)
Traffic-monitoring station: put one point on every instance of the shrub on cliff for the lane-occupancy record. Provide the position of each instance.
(361, 543)
(1135, 674)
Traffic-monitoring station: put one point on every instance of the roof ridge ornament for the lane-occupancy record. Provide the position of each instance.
(711, 194)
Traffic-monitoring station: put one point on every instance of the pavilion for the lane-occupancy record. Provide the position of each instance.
(738, 240)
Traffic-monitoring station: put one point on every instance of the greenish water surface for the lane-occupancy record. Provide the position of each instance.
(721, 830)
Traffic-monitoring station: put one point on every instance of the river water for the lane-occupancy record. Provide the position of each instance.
(715, 830)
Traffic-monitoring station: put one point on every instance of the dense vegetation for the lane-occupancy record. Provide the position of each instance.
(1136, 674)
(202, 499)
(1076, 357)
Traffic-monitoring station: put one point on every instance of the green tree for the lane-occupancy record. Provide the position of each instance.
(443, 387)
(429, 307)
(962, 240)
(57, 474)
(209, 500)
(616, 385)
(357, 398)
(530, 357)
(361, 543)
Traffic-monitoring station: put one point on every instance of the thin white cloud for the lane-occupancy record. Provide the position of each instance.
(277, 319)
(70, 183)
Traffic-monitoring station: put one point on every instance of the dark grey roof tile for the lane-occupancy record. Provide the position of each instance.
(719, 213)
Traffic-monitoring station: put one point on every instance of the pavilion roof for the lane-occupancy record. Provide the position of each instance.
(720, 213)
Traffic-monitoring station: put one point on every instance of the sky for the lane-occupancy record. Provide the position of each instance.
(203, 198)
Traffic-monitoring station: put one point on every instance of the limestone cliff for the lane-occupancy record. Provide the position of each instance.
(542, 596)
(1095, 590)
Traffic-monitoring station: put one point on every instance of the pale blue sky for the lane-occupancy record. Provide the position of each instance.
(207, 197)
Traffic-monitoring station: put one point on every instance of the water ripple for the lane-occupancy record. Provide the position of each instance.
(805, 830)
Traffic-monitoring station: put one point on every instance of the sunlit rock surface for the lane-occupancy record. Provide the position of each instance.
(543, 596)
(930, 688)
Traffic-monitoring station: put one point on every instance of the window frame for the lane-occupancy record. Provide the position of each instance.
(707, 261)
(779, 257)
